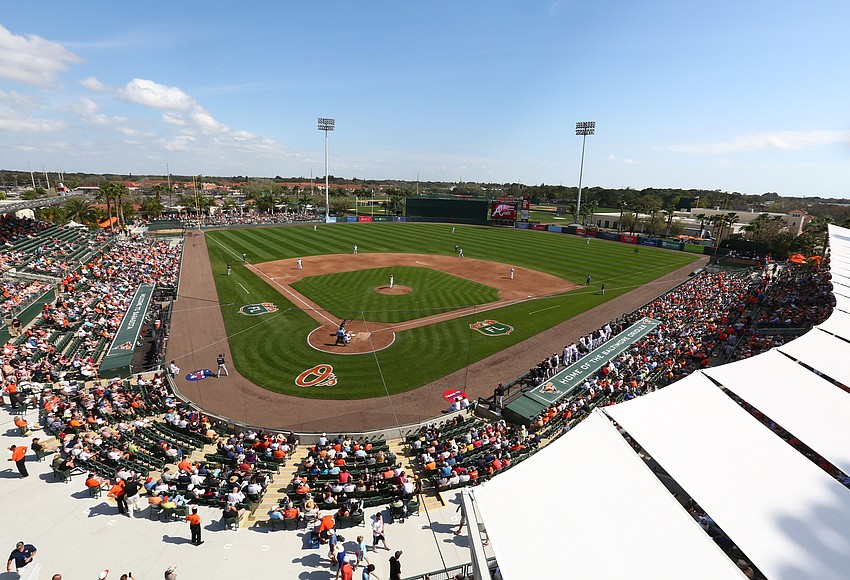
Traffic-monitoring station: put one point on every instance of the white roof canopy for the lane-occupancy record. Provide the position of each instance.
(782, 510)
(822, 351)
(603, 514)
(806, 405)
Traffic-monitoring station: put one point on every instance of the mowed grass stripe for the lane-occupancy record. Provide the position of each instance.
(275, 352)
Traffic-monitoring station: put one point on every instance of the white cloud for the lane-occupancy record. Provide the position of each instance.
(89, 110)
(152, 94)
(785, 141)
(92, 84)
(179, 143)
(32, 60)
(176, 119)
(130, 132)
(32, 125)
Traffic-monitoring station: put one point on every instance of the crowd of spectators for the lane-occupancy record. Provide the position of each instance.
(461, 452)
(13, 229)
(800, 296)
(18, 294)
(236, 218)
(345, 474)
(71, 333)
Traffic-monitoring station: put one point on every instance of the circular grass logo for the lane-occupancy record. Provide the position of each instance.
(321, 375)
(492, 328)
(257, 309)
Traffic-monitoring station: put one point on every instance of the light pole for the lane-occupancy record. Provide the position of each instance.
(326, 125)
(583, 128)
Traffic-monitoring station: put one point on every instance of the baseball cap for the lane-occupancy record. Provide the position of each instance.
(103, 574)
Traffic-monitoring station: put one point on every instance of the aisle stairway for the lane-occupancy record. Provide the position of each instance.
(276, 490)
(430, 499)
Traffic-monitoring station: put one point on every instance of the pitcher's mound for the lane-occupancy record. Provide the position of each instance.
(396, 289)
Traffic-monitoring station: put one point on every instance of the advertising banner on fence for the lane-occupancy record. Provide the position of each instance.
(398, 218)
(539, 227)
(503, 211)
(556, 229)
(671, 245)
(522, 225)
(693, 248)
(330, 220)
(380, 218)
(351, 218)
(608, 236)
(532, 402)
(648, 242)
(628, 239)
(364, 218)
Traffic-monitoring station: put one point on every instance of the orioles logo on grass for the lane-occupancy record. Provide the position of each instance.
(321, 375)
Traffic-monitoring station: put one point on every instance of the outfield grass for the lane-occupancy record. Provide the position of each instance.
(353, 295)
(271, 350)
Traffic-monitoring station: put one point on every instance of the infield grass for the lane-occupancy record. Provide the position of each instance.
(271, 350)
(353, 295)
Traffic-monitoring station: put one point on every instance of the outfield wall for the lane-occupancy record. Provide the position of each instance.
(454, 211)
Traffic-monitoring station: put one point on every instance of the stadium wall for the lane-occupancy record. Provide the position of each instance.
(455, 211)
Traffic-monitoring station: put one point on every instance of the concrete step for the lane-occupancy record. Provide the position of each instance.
(276, 490)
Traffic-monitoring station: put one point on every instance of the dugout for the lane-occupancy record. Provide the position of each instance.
(457, 211)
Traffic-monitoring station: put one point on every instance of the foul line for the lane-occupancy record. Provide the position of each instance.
(243, 287)
(288, 291)
(225, 247)
(542, 309)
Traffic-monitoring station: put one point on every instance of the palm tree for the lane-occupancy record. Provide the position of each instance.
(53, 213)
(152, 207)
(106, 193)
(669, 212)
(158, 190)
(79, 210)
(723, 221)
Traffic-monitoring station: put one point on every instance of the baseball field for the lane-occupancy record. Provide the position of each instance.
(440, 313)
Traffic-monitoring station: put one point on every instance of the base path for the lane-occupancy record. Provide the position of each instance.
(198, 335)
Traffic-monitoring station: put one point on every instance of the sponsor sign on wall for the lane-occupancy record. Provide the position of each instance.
(648, 242)
(503, 211)
(538, 227)
(693, 248)
(364, 218)
(628, 239)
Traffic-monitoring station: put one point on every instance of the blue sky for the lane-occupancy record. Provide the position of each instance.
(738, 96)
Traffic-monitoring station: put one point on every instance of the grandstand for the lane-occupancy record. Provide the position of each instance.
(138, 427)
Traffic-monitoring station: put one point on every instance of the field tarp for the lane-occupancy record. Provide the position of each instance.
(528, 405)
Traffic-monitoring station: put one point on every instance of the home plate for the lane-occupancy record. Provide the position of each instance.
(361, 335)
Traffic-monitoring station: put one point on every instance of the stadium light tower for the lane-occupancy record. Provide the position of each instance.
(326, 125)
(583, 128)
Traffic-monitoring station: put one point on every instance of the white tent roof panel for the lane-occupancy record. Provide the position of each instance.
(842, 301)
(822, 351)
(808, 406)
(838, 324)
(603, 515)
(783, 511)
